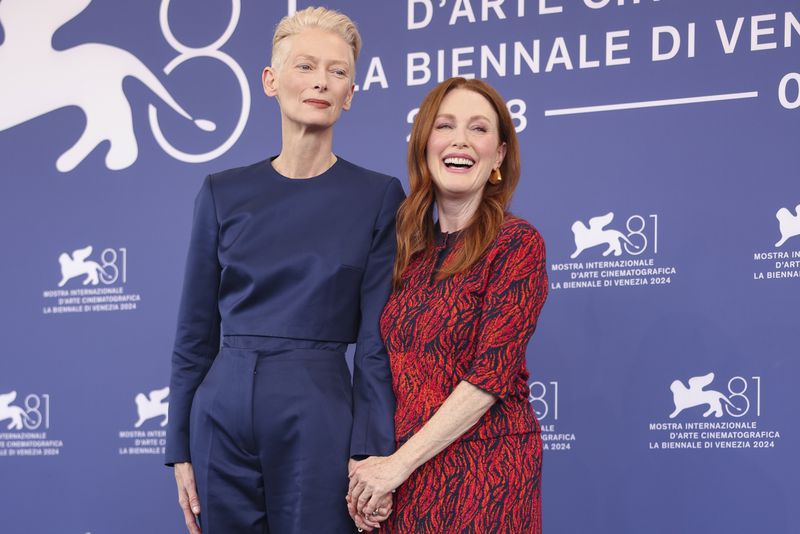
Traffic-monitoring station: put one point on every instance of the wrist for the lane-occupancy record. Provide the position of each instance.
(404, 464)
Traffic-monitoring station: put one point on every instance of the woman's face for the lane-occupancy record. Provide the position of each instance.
(313, 83)
(464, 145)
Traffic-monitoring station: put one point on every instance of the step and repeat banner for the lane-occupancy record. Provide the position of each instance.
(660, 161)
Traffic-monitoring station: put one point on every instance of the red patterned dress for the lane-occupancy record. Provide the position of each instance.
(473, 326)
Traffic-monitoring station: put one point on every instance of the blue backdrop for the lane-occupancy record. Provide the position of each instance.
(659, 146)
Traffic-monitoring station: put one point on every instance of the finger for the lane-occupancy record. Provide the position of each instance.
(184, 476)
(353, 516)
(191, 521)
(352, 467)
(356, 494)
(187, 496)
(381, 517)
(183, 500)
(370, 521)
(188, 516)
(383, 511)
(387, 502)
(194, 500)
(362, 499)
(373, 504)
(354, 481)
(351, 507)
(361, 525)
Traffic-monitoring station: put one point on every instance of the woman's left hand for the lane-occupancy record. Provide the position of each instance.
(372, 479)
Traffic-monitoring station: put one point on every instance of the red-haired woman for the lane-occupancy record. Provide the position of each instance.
(467, 294)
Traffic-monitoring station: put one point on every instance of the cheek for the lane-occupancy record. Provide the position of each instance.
(433, 166)
(287, 90)
(343, 90)
(295, 83)
(431, 151)
(488, 150)
(436, 144)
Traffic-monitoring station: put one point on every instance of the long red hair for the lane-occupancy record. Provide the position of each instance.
(415, 226)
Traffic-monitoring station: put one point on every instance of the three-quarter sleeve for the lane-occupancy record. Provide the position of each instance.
(373, 398)
(515, 293)
(197, 337)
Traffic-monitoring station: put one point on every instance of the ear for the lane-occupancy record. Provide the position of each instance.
(349, 98)
(501, 155)
(269, 81)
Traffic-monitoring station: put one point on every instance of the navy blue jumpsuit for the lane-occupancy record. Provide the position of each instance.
(281, 275)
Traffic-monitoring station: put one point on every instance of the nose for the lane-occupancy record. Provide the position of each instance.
(321, 84)
(459, 138)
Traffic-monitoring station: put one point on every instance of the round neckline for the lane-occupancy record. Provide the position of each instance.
(278, 176)
(446, 238)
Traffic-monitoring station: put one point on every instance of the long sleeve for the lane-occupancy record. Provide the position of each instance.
(515, 294)
(373, 398)
(197, 337)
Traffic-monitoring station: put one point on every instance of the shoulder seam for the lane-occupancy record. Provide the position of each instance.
(213, 200)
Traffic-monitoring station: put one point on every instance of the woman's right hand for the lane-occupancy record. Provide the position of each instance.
(187, 496)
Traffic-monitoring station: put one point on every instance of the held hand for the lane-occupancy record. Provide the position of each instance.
(187, 496)
(374, 479)
(367, 523)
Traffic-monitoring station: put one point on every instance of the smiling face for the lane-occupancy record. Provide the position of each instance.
(464, 145)
(313, 80)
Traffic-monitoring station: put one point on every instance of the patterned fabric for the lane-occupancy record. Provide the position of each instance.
(474, 326)
(474, 487)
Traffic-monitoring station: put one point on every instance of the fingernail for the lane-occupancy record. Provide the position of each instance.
(196, 510)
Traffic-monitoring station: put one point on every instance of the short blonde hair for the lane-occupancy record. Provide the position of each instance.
(314, 17)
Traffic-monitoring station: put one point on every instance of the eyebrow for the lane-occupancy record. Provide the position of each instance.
(449, 116)
(316, 59)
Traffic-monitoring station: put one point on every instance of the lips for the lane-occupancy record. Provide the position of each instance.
(458, 162)
(319, 104)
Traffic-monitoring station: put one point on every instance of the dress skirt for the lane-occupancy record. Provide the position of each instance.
(489, 486)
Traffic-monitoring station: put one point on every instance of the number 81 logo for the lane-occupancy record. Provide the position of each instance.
(544, 399)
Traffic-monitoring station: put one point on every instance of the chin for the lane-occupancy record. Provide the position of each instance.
(455, 190)
(454, 184)
(319, 125)
(315, 121)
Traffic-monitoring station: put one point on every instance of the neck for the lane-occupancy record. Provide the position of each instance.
(456, 213)
(305, 152)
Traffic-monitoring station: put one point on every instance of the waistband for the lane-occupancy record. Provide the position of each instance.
(269, 343)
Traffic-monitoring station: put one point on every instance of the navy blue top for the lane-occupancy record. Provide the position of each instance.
(295, 258)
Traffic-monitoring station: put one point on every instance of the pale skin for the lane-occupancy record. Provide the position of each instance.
(466, 128)
(313, 83)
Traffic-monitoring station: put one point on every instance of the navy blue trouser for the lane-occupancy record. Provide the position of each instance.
(270, 437)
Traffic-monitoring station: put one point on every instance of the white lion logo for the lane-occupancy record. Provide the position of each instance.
(595, 235)
(148, 407)
(695, 395)
(15, 413)
(78, 266)
(38, 79)
(788, 223)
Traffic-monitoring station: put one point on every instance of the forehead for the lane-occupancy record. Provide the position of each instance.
(321, 44)
(463, 102)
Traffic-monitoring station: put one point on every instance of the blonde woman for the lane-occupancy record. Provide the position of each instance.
(291, 259)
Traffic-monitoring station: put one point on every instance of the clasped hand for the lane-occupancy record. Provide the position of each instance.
(372, 482)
